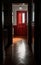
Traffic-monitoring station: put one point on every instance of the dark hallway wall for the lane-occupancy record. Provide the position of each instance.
(8, 21)
(29, 23)
(1, 50)
(37, 32)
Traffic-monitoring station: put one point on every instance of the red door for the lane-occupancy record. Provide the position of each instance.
(21, 27)
(21, 17)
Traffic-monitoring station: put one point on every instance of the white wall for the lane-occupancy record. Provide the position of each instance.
(15, 8)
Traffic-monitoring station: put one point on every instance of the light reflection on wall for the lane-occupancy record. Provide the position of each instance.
(33, 21)
(33, 12)
(2, 15)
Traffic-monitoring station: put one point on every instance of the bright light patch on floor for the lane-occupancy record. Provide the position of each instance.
(21, 50)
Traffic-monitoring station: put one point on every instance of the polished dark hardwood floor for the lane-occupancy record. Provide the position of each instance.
(19, 54)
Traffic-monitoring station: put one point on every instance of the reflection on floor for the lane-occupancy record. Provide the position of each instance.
(16, 39)
(19, 53)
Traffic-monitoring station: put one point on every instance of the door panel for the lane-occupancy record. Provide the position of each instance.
(21, 17)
